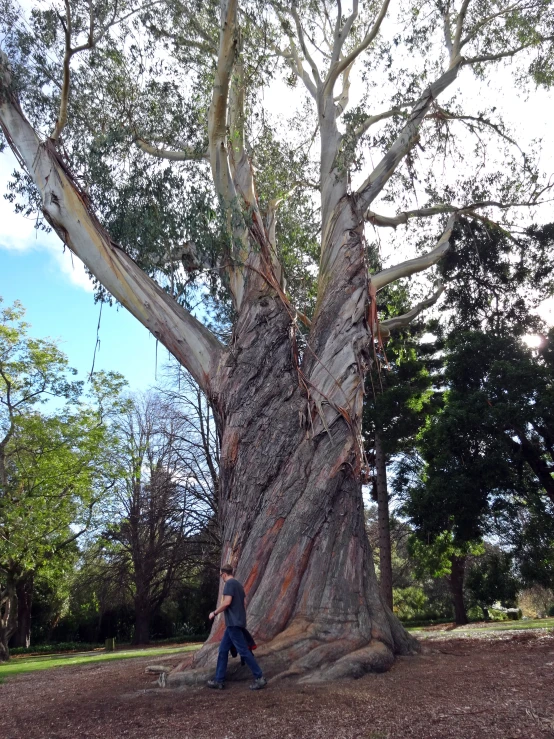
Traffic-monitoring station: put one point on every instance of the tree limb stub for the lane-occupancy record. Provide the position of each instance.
(73, 219)
(411, 266)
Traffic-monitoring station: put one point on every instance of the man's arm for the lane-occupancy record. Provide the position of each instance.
(225, 604)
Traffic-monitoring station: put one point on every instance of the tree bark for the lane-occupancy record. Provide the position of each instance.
(385, 558)
(24, 593)
(456, 582)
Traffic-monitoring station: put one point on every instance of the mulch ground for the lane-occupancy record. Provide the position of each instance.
(493, 688)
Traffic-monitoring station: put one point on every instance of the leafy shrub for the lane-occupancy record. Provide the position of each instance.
(409, 603)
(475, 613)
(496, 615)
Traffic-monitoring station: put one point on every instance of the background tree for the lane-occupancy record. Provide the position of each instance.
(491, 580)
(162, 513)
(398, 399)
(289, 417)
(55, 467)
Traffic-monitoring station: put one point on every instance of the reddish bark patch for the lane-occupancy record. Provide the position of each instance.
(501, 688)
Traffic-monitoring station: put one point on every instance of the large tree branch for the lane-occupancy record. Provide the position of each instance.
(411, 266)
(398, 322)
(377, 219)
(66, 208)
(341, 34)
(456, 43)
(218, 147)
(68, 53)
(406, 140)
(446, 29)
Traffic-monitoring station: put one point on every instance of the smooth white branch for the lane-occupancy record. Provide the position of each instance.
(341, 64)
(181, 155)
(411, 266)
(406, 139)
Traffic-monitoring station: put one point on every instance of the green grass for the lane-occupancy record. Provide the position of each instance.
(19, 665)
(538, 623)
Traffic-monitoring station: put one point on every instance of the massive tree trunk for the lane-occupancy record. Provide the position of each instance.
(290, 482)
(24, 593)
(383, 517)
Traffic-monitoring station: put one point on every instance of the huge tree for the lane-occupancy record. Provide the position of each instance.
(184, 82)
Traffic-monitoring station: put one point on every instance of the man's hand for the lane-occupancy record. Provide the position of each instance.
(225, 604)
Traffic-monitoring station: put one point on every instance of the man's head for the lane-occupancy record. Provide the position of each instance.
(226, 572)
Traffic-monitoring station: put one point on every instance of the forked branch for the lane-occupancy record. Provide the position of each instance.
(341, 64)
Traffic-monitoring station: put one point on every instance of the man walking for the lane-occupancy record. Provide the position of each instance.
(235, 621)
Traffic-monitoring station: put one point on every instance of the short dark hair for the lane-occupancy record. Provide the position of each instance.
(227, 569)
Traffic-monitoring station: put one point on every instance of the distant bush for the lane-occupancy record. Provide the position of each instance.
(551, 610)
(496, 615)
(475, 613)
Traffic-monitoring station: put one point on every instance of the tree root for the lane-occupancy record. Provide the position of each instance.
(310, 653)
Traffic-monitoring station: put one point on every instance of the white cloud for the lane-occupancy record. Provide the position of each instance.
(72, 267)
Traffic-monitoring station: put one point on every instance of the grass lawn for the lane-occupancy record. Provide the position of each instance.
(17, 665)
(538, 623)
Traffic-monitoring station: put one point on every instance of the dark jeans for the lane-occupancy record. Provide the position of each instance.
(233, 636)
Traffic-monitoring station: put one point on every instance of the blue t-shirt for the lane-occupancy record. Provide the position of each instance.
(235, 614)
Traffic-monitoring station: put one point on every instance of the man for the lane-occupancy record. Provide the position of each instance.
(235, 621)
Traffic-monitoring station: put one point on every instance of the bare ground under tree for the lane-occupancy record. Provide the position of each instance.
(494, 686)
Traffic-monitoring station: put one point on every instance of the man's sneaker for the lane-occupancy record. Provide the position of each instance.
(258, 683)
(215, 685)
